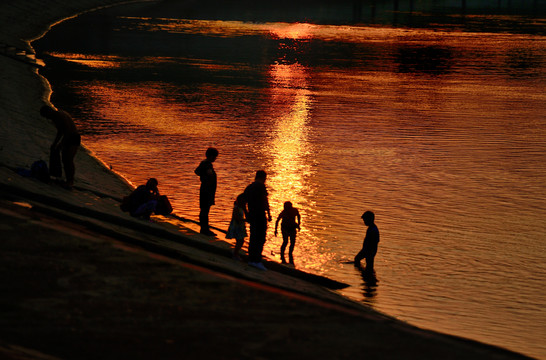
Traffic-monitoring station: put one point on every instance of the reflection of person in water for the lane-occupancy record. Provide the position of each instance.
(207, 192)
(369, 283)
(291, 221)
(369, 247)
(67, 140)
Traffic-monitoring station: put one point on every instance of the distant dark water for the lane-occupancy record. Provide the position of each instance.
(436, 127)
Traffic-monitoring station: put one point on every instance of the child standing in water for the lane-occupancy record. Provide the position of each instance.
(237, 227)
(369, 247)
(291, 221)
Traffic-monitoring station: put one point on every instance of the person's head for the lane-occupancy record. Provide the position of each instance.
(211, 154)
(368, 218)
(261, 176)
(47, 112)
(151, 184)
(240, 201)
(287, 205)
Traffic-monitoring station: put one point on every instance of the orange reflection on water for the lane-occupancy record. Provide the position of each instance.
(152, 108)
(290, 146)
(92, 61)
(291, 153)
(291, 30)
(218, 28)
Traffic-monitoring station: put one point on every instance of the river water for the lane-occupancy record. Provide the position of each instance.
(439, 129)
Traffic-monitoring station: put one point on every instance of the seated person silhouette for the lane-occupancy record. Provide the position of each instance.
(143, 200)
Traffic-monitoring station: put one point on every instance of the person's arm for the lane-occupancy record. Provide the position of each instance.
(57, 142)
(269, 218)
(298, 216)
(277, 223)
(239, 214)
(245, 211)
(199, 169)
(245, 203)
(362, 253)
(60, 126)
(375, 235)
(372, 237)
(205, 172)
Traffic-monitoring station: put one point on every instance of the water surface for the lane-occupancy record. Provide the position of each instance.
(439, 131)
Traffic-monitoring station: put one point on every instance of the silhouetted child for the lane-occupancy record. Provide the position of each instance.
(291, 221)
(369, 247)
(237, 227)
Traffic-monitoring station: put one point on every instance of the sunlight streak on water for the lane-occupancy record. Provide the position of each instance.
(292, 164)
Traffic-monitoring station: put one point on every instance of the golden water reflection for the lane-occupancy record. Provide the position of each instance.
(292, 157)
(289, 144)
(92, 61)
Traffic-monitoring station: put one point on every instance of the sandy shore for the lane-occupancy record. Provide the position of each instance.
(82, 280)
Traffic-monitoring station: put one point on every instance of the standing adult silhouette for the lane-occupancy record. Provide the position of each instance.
(207, 192)
(257, 203)
(66, 143)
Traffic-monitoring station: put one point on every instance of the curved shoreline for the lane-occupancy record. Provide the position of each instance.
(33, 223)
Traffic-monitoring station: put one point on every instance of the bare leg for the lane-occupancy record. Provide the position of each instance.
(283, 246)
(238, 246)
(369, 263)
(291, 249)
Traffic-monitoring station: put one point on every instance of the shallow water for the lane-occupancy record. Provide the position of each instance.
(439, 131)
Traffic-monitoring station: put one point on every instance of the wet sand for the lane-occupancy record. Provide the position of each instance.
(82, 280)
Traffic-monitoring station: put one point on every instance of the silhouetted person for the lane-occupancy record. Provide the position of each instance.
(291, 221)
(143, 200)
(257, 202)
(369, 247)
(207, 192)
(66, 141)
(237, 226)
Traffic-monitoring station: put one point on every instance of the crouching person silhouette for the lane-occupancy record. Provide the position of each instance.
(142, 202)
